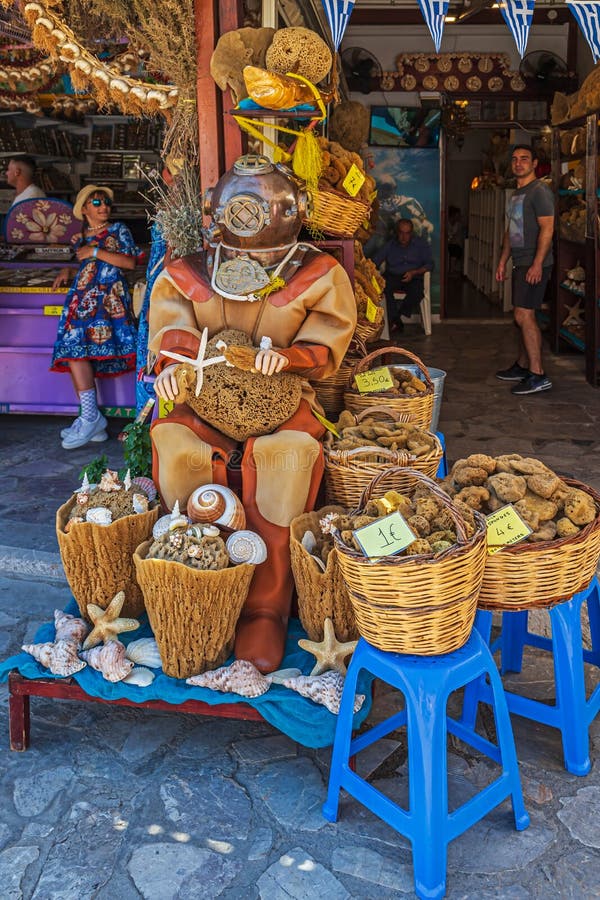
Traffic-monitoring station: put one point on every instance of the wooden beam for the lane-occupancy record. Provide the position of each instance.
(230, 18)
(210, 116)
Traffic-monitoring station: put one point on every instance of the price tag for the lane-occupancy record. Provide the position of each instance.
(505, 527)
(164, 407)
(375, 284)
(371, 310)
(376, 380)
(328, 425)
(372, 196)
(353, 181)
(385, 537)
(53, 310)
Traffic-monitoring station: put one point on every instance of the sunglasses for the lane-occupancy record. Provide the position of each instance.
(98, 201)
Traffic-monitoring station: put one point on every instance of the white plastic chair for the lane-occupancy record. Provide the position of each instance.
(425, 306)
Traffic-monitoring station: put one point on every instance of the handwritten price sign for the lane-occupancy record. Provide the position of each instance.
(371, 312)
(505, 527)
(353, 181)
(375, 380)
(385, 537)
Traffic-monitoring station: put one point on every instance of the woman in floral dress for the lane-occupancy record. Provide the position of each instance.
(96, 333)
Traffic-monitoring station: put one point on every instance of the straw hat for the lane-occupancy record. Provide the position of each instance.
(85, 193)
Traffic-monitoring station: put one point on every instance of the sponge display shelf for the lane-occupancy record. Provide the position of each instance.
(487, 224)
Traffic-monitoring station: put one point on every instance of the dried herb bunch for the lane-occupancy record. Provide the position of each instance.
(178, 210)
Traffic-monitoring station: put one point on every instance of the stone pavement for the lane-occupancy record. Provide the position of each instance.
(116, 803)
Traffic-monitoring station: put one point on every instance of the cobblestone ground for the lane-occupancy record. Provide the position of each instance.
(126, 803)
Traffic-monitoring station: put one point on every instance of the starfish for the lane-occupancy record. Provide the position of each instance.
(199, 364)
(107, 624)
(329, 653)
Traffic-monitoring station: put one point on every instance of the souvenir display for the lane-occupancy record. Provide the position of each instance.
(329, 653)
(325, 689)
(107, 622)
(401, 393)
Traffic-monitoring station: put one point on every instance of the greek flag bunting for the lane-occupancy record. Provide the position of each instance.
(434, 13)
(338, 13)
(518, 15)
(587, 14)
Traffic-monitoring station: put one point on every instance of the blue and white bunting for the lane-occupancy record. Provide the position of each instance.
(338, 13)
(587, 14)
(434, 13)
(518, 15)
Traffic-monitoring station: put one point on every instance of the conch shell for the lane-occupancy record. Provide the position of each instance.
(109, 659)
(325, 689)
(144, 652)
(246, 547)
(110, 481)
(273, 91)
(69, 628)
(60, 657)
(218, 505)
(241, 677)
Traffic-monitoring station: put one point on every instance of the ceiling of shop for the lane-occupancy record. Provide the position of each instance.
(476, 11)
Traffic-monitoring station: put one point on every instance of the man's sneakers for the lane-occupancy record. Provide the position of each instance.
(514, 373)
(532, 384)
(82, 432)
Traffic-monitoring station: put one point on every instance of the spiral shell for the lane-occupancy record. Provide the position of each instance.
(218, 505)
(246, 547)
(109, 659)
(144, 652)
(99, 515)
(241, 677)
(140, 503)
(325, 689)
(69, 628)
(60, 657)
(161, 526)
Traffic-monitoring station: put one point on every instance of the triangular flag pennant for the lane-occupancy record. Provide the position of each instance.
(518, 15)
(434, 13)
(338, 13)
(587, 14)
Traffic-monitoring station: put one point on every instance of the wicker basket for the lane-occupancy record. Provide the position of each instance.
(415, 604)
(192, 613)
(98, 559)
(330, 391)
(530, 576)
(370, 331)
(349, 472)
(336, 214)
(420, 407)
(321, 595)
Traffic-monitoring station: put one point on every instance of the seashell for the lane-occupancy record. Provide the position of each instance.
(139, 676)
(161, 526)
(60, 656)
(144, 652)
(86, 487)
(127, 480)
(110, 481)
(76, 520)
(195, 551)
(140, 503)
(197, 531)
(246, 547)
(177, 519)
(69, 628)
(82, 498)
(325, 689)
(218, 505)
(210, 531)
(147, 485)
(109, 659)
(309, 541)
(576, 274)
(241, 677)
(99, 515)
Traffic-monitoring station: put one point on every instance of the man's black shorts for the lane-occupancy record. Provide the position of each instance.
(525, 295)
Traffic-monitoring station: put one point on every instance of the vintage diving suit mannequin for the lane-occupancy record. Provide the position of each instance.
(256, 209)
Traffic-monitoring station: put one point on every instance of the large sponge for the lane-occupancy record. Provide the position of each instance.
(300, 51)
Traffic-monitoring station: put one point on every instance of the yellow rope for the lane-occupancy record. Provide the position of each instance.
(274, 285)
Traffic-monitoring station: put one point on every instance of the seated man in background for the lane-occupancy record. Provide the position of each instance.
(406, 258)
(20, 174)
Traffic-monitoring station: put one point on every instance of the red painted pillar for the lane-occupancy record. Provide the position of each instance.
(210, 115)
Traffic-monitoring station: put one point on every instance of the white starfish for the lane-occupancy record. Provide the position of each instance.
(199, 364)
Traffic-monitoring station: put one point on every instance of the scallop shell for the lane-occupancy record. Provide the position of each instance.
(147, 485)
(241, 677)
(60, 656)
(99, 515)
(144, 652)
(139, 676)
(325, 689)
(246, 547)
(218, 505)
(69, 628)
(109, 659)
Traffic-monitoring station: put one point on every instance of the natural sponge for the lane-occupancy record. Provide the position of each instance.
(300, 51)
(349, 125)
(234, 50)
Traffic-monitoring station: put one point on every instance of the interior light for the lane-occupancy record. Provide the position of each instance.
(450, 18)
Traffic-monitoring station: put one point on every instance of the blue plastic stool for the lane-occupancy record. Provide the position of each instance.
(426, 682)
(572, 713)
(443, 466)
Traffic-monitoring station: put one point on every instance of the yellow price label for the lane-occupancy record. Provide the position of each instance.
(375, 380)
(328, 425)
(372, 196)
(53, 310)
(505, 527)
(164, 407)
(371, 310)
(385, 537)
(353, 181)
(375, 284)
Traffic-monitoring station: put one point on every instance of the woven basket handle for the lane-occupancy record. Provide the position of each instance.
(363, 364)
(357, 343)
(403, 418)
(433, 487)
(397, 457)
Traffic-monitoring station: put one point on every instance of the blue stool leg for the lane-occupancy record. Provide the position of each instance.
(512, 640)
(428, 787)
(443, 466)
(567, 645)
(483, 624)
(593, 605)
(341, 745)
